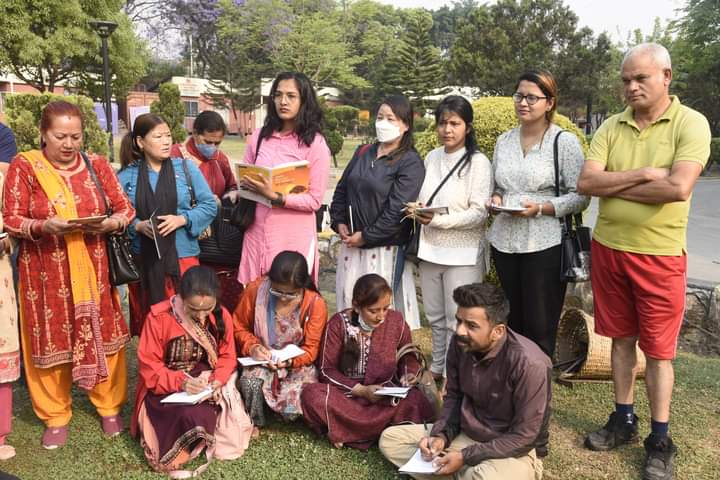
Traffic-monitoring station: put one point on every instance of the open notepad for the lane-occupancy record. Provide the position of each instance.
(285, 353)
(417, 464)
(185, 398)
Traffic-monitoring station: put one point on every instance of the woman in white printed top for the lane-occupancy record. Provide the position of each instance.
(452, 248)
(526, 243)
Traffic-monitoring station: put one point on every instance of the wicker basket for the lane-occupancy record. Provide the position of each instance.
(576, 339)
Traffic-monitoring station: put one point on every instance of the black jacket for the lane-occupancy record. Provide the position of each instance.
(377, 190)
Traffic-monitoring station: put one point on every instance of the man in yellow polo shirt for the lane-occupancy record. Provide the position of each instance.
(643, 164)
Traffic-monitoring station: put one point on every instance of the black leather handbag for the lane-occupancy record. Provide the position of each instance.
(574, 238)
(224, 246)
(122, 267)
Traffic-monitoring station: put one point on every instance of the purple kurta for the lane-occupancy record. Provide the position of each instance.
(293, 226)
(355, 421)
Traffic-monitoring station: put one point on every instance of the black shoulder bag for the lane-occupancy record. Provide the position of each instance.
(574, 238)
(411, 248)
(122, 268)
(223, 245)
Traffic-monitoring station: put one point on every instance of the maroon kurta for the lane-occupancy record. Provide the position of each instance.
(355, 421)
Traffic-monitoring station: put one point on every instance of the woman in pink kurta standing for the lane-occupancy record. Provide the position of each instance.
(291, 133)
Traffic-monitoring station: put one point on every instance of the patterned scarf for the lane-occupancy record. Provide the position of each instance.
(88, 359)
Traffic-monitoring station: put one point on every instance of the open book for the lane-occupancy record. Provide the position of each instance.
(185, 398)
(286, 353)
(286, 178)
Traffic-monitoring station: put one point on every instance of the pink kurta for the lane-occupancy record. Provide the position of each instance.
(293, 226)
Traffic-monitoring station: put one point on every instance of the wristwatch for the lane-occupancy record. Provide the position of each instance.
(279, 201)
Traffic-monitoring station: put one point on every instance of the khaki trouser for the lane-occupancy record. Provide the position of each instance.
(399, 443)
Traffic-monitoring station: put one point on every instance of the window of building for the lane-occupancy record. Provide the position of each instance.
(191, 108)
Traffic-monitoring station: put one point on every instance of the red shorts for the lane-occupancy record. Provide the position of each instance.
(638, 295)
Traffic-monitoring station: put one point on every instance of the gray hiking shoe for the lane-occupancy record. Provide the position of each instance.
(616, 432)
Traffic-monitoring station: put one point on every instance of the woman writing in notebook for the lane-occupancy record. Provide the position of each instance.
(187, 346)
(159, 186)
(291, 133)
(368, 204)
(279, 309)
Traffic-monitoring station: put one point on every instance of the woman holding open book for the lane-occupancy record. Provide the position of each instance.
(291, 133)
(186, 398)
(368, 204)
(357, 359)
(452, 247)
(174, 206)
(71, 322)
(278, 312)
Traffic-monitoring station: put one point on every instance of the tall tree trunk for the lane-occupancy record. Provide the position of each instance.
(588, 116)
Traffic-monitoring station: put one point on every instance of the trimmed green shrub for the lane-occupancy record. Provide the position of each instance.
(420, 124)
(714, 153)
(171, 109)
(492, 117)
(335, 142)
(23, 115)
(346, 118)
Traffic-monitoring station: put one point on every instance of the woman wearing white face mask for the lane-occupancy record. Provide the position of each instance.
(367, 209)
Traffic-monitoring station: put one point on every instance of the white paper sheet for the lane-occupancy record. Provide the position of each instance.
(400, 392)
(417, 464)
(187, 399)
(286, 353)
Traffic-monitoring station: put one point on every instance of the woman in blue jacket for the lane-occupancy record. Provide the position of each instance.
(174, 206)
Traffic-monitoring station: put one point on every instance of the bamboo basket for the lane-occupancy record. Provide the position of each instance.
(576, 339)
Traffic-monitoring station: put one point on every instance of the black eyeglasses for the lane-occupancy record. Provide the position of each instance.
(531, 99)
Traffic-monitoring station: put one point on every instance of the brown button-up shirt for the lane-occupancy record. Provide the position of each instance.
(501, 400)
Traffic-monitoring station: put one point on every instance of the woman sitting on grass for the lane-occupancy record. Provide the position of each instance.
(279, 309)
(187, 346)
(357, 358)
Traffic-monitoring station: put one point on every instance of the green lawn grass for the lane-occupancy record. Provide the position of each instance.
(291, 451)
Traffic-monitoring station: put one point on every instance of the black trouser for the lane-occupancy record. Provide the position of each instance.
(532, 285)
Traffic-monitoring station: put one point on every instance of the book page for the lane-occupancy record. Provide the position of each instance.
(186, 398)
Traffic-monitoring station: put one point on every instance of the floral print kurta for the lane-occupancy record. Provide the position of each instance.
(46, 302)
(9, 343)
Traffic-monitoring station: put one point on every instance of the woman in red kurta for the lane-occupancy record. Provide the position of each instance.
(187, 345)
(203, 149)
(357, 358)
(72, 328)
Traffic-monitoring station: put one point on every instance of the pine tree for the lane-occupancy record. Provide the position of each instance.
(416, 69)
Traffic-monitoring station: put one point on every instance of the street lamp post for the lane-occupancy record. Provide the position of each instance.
(105, 29)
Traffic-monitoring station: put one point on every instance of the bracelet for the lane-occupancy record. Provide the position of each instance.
(539, 212)
(279, 201)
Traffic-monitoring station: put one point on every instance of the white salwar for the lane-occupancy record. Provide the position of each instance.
(353, 263)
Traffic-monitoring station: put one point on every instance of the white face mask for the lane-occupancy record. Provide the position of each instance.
(386, 131)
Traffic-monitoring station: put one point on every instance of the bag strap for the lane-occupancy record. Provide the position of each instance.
(447, 177)
(101, 191)
(188, 180)
(567, 220)
(257, 146)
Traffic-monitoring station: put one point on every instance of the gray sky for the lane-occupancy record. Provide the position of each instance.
(617, 17)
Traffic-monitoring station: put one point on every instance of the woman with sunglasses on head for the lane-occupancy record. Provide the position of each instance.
(526, 243)
(452, 248)
(278, 309)
(367, 209)
(187, 345)
(292, 132)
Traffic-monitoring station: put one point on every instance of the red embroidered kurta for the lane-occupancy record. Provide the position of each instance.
(160, 328)
(45, 294)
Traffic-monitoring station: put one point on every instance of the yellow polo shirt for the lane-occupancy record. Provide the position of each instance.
(681, 134)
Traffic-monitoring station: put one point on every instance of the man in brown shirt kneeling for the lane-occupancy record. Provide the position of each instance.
(494, 421)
